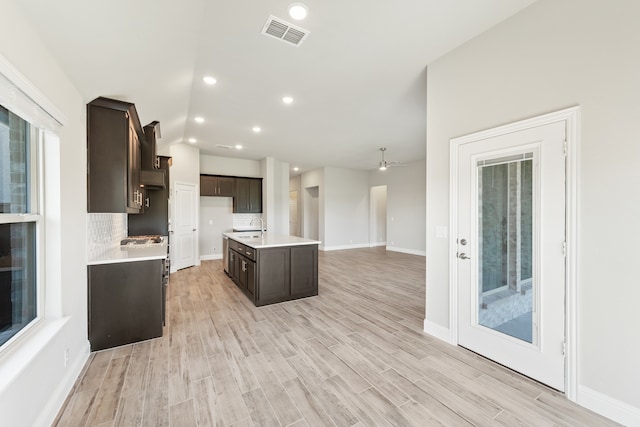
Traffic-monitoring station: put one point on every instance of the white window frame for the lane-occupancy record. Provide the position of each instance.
(21, 97)
(36, 216)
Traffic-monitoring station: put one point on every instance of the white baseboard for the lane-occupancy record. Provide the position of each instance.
(210, 257)
(370, 245)
(406, 251)
(342, 247)
(58, 397)
(616, 410)
(437, 331)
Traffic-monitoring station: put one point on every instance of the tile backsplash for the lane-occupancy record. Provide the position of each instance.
(104, 231)
(244, 220)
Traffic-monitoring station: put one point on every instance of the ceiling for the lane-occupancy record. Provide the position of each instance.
(358, 80)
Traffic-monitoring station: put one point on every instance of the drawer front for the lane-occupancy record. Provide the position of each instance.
(238, 247)
(250, 253)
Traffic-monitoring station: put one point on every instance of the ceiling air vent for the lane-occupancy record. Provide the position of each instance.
(225, 147)
(283, 30)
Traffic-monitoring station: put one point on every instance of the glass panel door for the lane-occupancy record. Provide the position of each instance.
(505, 246)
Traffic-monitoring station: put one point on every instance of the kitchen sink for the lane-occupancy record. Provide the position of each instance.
(252, 236)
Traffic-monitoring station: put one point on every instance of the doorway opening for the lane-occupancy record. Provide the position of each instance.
(311, 220)
(378, 216)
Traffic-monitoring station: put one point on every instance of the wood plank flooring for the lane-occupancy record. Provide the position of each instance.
(355, 355)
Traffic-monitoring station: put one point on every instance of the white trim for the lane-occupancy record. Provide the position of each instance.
(571, 116)
(210, 257)
(28, 89)
(438, 331)
(376, 244)
(614, 409)
(572, 361)
(342, 247)
(406, 251)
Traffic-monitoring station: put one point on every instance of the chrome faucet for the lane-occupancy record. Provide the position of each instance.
(261, 225)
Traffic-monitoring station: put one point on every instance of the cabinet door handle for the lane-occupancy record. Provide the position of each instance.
(244, 266)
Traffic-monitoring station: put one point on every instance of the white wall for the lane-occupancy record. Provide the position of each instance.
(406, 198)
(215, 218)
(346, 208)
(215, 165)
(34, 380)
(185, 167)
(275, 195)
(551, 56)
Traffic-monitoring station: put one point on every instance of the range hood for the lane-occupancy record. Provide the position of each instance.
(152, 178)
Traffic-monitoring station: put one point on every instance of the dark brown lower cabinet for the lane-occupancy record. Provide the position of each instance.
(125, 303)
(277, 274)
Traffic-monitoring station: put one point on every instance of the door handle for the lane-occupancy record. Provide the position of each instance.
(463, 256)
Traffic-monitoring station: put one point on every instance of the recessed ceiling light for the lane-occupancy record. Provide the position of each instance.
(298, 11)
(287, 100)
(199, 119)
(238, 147)
(296, 169)
(192, 140)
(209, 80)
(257, 129)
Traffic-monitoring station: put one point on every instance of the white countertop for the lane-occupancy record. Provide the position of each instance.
(270, 240)
(131, 253)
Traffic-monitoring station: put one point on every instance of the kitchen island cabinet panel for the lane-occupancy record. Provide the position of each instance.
(304, 271)
(273, 275)
(125, 303)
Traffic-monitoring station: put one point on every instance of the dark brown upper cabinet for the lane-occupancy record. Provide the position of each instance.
(248, 198)
(216, 185)
(151, 175)
(150, 159)
(114, 136)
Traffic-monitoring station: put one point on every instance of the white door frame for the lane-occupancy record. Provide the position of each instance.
(572, 118)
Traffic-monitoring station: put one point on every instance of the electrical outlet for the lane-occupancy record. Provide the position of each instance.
(210, 222)
(66, 357)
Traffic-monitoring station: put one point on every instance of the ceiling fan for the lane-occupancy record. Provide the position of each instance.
(384, 164)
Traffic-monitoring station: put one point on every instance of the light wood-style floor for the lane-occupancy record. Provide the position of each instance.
(354, 355)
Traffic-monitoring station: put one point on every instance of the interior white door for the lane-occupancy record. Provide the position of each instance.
(185, 236)
(511, 241)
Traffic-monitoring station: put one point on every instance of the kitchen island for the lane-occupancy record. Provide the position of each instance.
(271, 268)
